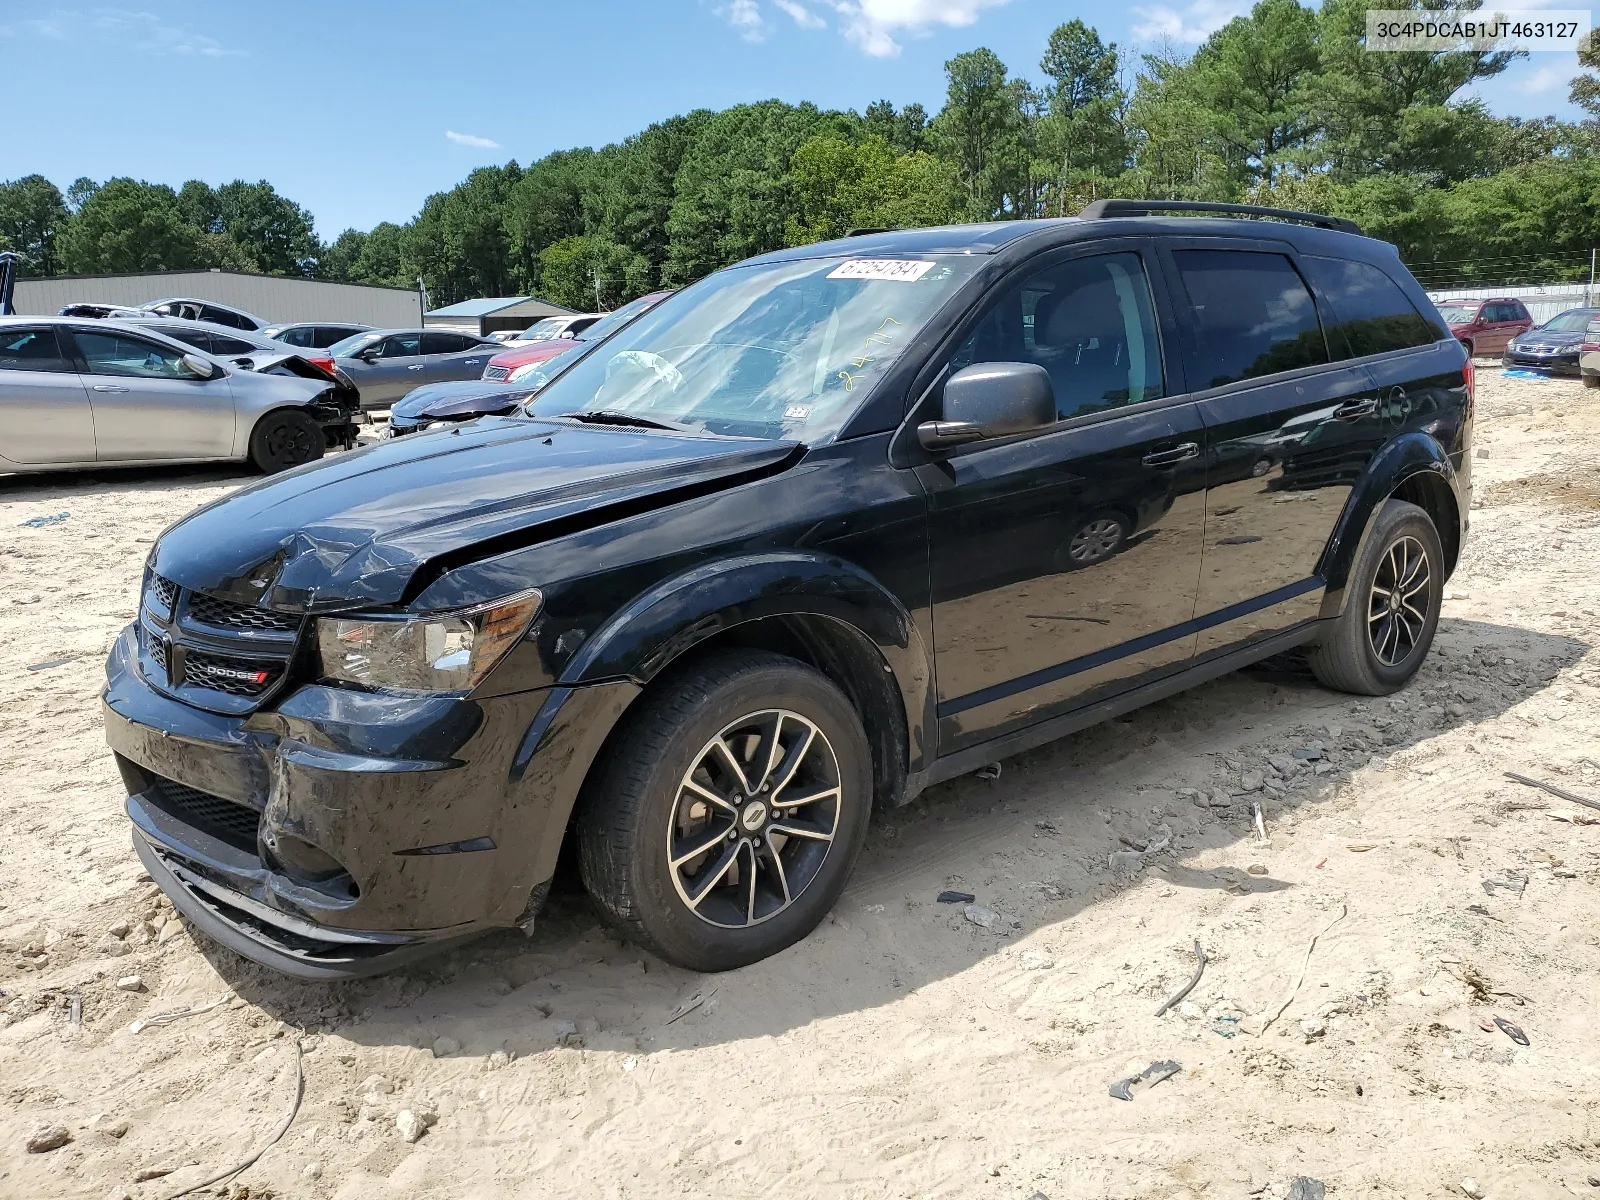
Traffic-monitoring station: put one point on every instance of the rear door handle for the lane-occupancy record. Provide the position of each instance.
(110, 387)
(1355, 410)
(414, 367)
(1166, 458)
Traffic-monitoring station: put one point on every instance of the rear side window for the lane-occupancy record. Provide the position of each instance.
(31, 350)
(1515, 312)
(299, 337)
(443, 343)
(198, 338)
(1249, 315)
(221, 316)
(1371, 314)
(228, 345)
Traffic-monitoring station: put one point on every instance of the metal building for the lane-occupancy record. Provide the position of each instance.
(493, 314)
(277, 298)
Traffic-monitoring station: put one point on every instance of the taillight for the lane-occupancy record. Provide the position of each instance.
(1590, 346)
(323, 364)
(1469, 376)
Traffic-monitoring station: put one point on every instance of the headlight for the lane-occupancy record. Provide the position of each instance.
(439, 652)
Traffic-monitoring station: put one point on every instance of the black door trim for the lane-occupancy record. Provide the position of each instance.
(960, 704)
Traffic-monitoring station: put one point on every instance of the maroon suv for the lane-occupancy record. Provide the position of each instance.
(1486, 327)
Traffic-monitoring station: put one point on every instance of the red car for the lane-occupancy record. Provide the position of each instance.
(510, 366)
(1486, 327)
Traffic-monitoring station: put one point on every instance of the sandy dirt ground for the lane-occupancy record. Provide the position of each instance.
(905, 1049)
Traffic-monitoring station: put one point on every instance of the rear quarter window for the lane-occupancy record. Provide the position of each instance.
(1371, 315)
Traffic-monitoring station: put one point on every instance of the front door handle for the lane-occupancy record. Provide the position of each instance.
(1355, 410)
(110, 387)
(1166, 458)
(414, 367)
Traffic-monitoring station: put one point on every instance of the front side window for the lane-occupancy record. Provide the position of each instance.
(223, 316)
(31, 350)
(1371, 314)
(784, 350)
(1249, 315)
(401, 345)
(119, 354)
(353, 345)
(542, 331)
(1088, 322)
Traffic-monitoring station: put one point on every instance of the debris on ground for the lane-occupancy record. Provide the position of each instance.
(413, 1123)
(444, 1047)
(1125, 1089)
(130, 983)
(1514, 1032)
(1560, 792)
(1199, 969)
(1289, 999)
(1469, 1187)
(992, 771)
(981, 916)
(41, 522)
(167, 1018)
(684, 1009)
(1515, 882)
(1305, 1188)
(956, 897)
(47, 1138)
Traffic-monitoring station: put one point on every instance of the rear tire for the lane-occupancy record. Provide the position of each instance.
(285, 438)
(676, 844)
(1391, 608)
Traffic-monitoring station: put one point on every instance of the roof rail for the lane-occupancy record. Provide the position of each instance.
(1145, 208)
(849, 233)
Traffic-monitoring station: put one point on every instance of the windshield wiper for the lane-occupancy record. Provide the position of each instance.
(611, 416)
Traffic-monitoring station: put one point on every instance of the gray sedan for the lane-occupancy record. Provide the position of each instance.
(385, 364)
(84, 393)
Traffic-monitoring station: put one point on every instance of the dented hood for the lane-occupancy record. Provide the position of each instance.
(354, 530)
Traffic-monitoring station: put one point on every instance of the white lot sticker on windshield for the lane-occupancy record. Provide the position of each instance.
(901, 270)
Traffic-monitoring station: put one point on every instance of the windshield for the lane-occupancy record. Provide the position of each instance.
(613, 321)
(351, 344)
(782, 350)
(542, 331)
(1458, 314)
(1574, 320)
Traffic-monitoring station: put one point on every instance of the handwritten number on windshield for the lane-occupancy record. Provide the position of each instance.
(876, 338)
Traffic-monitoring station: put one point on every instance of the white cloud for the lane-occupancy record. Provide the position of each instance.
(1190, 25)
(472, 139)
(801, 15)
(1547, 79)
(745, 16)
(873, 24)
(140, 32)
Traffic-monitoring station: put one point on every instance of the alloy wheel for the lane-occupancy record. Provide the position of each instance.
(1397, 609)
(289, 442)
(1095, 540)
(754, 818)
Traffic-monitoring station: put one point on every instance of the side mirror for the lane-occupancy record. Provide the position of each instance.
(197, 367)
(991, 400)
(368, 354)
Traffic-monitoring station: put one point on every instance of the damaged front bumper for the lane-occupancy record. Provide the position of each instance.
(343, 833)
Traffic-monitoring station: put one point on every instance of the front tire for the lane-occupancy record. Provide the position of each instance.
(728, 812)
(285, 438)
(1392, 607)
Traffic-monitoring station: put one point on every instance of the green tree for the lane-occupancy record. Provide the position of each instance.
(32, 215)
(1082, 134)
(1585, 90)
(1175, 156)
(840, 184)
(905, 130)
(79, 191)
(1254, 78)
(544, 206)
(590, 273)
(978, 129)
(1387, 113)
(270, 229)
(129, 225)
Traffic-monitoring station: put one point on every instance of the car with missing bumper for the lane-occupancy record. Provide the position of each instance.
(104, 393)
(819, 531)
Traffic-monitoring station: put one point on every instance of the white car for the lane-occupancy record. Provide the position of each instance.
(550, 328)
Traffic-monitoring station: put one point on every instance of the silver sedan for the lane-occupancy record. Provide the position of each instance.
(385, 364)
(82, 393)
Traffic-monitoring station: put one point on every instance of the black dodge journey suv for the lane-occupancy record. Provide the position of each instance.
(815, 533)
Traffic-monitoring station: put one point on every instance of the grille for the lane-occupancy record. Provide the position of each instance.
(158, 652)
(235, 824)
(237, 677)
(496, 372)
(166, 591)
(225, 614)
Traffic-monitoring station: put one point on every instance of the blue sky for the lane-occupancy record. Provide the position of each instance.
(359, 110)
